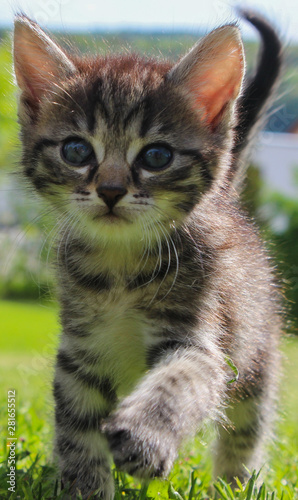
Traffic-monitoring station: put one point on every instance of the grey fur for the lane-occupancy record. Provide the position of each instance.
(154, 301)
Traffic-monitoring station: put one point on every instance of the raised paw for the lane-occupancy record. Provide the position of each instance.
(139, 449)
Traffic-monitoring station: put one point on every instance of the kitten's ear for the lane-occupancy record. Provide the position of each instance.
(211, 73)
(38, 61)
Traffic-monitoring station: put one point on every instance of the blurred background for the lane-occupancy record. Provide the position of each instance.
(29, 326)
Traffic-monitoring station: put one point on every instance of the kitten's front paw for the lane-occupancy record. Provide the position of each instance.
(137, 449)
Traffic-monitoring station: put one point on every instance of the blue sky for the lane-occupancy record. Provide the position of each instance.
(168, 14)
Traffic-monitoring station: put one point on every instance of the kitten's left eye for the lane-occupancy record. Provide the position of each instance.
(155, 157)
(77, 152)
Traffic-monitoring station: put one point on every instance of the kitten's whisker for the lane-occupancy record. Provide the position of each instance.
(176, 271)
(55, 231)
(147, 246)
(49, 237)
(53, 235)
(11, 189)
(169, 263)
(71, 98)
(71, 231)
(60, 217)
(166, 233)
(51, 92)
(159, 257)
(22, 234)
(159, 260)
(63, 229)
(195, 244)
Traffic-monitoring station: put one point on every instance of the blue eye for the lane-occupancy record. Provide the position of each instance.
(155, 157)
(77, 152)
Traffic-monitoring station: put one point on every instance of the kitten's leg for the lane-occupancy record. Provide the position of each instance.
(170, 402)
(241, 445)
(82, 399)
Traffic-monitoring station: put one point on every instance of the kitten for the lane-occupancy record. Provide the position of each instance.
(163, 281)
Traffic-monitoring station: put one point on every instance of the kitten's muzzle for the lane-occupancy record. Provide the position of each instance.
(111, 194)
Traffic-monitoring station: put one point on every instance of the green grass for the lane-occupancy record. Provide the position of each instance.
(27, 327)
(27, 346)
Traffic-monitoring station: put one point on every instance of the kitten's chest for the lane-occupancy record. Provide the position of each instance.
(112, 307)
(120, 334)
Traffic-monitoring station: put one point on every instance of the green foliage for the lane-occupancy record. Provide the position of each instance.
(277, 216)
(8, 126)
(287, 244)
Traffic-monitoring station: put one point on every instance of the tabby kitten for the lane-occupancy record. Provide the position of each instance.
(163, 280)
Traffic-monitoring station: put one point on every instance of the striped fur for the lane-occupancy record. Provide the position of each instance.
(161, 276)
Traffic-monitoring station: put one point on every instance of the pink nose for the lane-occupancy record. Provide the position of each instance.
(111, 194)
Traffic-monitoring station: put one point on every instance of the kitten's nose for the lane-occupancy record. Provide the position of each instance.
(111, 194)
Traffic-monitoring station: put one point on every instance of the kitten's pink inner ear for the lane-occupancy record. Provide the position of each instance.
(213, 73)
(222, 85)
(38, 61)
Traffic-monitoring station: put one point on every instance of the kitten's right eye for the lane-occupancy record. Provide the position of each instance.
(77, 152)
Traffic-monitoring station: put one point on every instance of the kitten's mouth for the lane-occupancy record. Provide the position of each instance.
(112, 218)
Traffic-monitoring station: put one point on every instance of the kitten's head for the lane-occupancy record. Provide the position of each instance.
(124, 143)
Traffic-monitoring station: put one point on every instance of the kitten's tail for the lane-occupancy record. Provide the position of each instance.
(255, 100)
